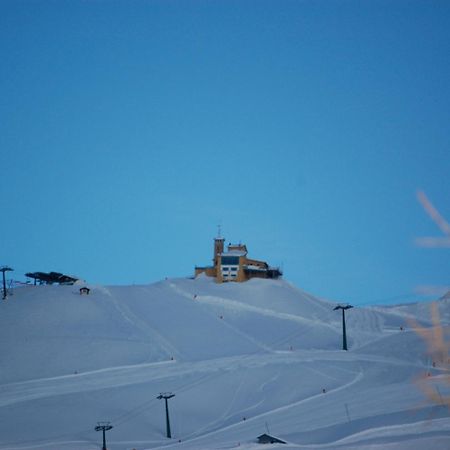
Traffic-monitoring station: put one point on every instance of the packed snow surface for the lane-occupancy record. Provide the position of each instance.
(242, 359)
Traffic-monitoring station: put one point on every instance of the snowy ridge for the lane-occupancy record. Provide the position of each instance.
(240, 358)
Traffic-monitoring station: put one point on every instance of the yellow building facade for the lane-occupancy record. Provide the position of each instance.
(235, 265)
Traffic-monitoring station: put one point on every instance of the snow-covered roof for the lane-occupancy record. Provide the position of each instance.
(234, 253)
(251, 267)
(268, 439)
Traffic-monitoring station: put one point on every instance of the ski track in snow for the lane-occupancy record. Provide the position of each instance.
(239, 306)
(118, 376)
(358, 377)
(246, 336)
(11, 393)
(415, 428)
(136, 322)
(220, 419)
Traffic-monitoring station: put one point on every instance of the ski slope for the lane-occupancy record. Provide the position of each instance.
(242, 359)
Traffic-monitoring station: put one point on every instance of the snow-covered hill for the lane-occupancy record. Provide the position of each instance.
(241, 358)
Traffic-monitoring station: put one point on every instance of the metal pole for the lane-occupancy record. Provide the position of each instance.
(344, 333)
(169, 434)
(5, 269)
(166, 397)
(104, 427)
(4, 285)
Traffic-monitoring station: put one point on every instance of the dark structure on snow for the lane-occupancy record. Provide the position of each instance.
(268, 439)
(3, 270)
(51, 277)
(103, 427)
(344, 332)
(166, 396)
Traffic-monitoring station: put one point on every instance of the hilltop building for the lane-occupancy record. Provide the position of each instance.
(235, 265)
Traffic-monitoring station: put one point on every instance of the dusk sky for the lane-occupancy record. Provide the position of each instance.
(129, 130)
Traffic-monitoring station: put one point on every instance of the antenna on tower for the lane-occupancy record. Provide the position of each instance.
(219, 230)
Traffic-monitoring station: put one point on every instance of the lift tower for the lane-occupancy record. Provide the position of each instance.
(104, 427)
(5, 269)
(166, 396)
(344, 333)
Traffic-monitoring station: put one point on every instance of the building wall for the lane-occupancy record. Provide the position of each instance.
(209, 271)
(230, 272)
(255, 275)
(255, 262)
(218, 250)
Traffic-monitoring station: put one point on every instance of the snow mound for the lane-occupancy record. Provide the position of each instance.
(241, 358)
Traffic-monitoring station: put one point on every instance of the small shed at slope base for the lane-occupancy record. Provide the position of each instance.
(268, 439)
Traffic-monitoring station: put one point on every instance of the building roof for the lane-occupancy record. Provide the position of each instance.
(239, 247)
(268, 439)
(52, 277)
(233, 253)
(255, 268)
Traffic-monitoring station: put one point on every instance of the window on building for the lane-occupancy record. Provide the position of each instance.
(230, 260)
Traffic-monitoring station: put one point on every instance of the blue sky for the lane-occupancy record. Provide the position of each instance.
(130, 129)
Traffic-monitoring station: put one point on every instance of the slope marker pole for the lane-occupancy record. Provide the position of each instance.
(348, 414)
